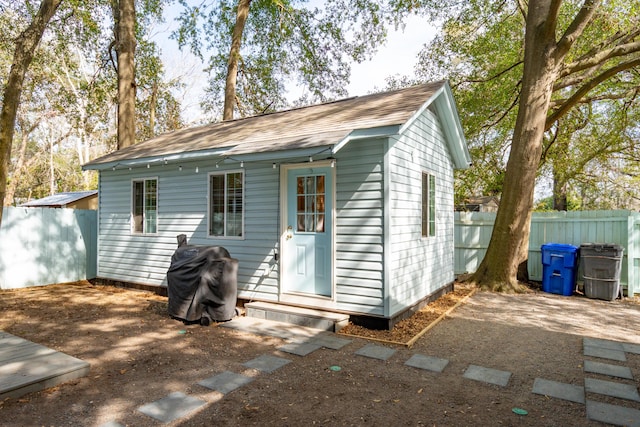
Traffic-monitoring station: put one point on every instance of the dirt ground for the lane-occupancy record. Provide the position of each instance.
(138, 355)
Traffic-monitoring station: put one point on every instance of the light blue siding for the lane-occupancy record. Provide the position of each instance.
(359, 227)
(418, 266)
(182, 209)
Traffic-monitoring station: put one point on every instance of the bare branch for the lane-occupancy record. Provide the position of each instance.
(506, 70)
(589, 100)
(582, 91)
(600, 57)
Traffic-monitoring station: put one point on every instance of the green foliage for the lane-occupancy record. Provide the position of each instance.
(480, 49)
(285, 43)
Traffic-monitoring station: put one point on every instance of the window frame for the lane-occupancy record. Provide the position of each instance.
(428, 205)
(225, 174)
(144, 181)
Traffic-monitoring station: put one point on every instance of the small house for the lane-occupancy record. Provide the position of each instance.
(345, 206)
(70, 199)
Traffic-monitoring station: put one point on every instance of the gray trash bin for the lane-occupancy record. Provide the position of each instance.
(601, 263)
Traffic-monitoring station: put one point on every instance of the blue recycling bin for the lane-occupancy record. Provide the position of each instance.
(559, 265)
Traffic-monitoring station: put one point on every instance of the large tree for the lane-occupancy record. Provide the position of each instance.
(25, 48)
(267, 47)
(520, 69)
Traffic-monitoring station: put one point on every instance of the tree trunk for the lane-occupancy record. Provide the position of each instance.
(124, 17)
(152, 109)
(559, 193)
(508, 247)
(26, 44)
(234, 56)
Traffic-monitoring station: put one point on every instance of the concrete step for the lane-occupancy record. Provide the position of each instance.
(307, 317)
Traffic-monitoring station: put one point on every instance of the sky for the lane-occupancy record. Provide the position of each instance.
(397, 57)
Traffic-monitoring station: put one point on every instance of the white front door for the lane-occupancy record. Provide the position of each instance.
(307, 243)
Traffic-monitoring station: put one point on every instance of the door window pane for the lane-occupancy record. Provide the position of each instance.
(310, 206)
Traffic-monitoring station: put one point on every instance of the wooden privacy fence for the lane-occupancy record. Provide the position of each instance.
(473, 232)
(40, 246)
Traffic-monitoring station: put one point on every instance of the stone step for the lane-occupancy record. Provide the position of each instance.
(307, 317)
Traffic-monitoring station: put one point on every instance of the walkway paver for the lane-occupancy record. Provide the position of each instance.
(631, 348)
(613, 389)
(487, 375)
(570, 392)
(330, 340)
(225, 382)
(605, 353)
(428, 363)
(600, 343)
(300, 349)
(613, 414)
(266, 363)
(175, 405)
(376, 352)
(607, 369)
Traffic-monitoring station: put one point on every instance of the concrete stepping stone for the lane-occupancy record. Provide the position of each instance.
(607, 369)
(613, 389)
(631, 348)
(487, 375)
(225, 382)
(175, 405)
(570, 392)
(428, 363)
(613, 414)
(376, 352)
(330, 341)
(111, 424)
(605, 353)
(600, 343)
(266, 363)
(300, 349)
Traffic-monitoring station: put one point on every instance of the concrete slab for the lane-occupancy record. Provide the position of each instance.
(376, 352)
(613, 414)
(330, 340)
(631, 348)
(570, 392)
(607, 369)
(176, 405)
(225, 382)
(605, 353)
(428, 363)
(300, 349)
(111, 424)
(613, 389)
(266, 363)
(600, 343)
(487, 375)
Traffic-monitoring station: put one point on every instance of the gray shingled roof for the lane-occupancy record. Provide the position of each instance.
(60, 199)
(314, 126)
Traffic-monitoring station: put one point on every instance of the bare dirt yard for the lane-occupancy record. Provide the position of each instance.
(139, 355)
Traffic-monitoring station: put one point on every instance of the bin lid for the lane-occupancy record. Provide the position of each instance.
(601, 246)
(559, 247)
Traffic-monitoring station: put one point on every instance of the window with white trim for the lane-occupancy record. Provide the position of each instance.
(226, 204)
(428, 205)
(144, 206)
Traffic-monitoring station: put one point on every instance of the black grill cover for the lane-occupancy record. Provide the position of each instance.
(202, 284)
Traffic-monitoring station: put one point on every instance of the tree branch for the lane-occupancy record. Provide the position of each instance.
(575, 29)
(600, 57)
(582, 91)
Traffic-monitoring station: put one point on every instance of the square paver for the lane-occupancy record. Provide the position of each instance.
(175, 405)
(112, 424)
(613, 414)
(605, 353)
(600, 343)
(631, 348)
(330, 341)
(613, 389)
(266, 363)
(300, 349)
(607, 369)
(570, 392)
(487, 375)
(376, 352)
(225, 382)
(428, 363)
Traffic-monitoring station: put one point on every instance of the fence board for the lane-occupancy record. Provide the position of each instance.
(40, 246)
(473, 232)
